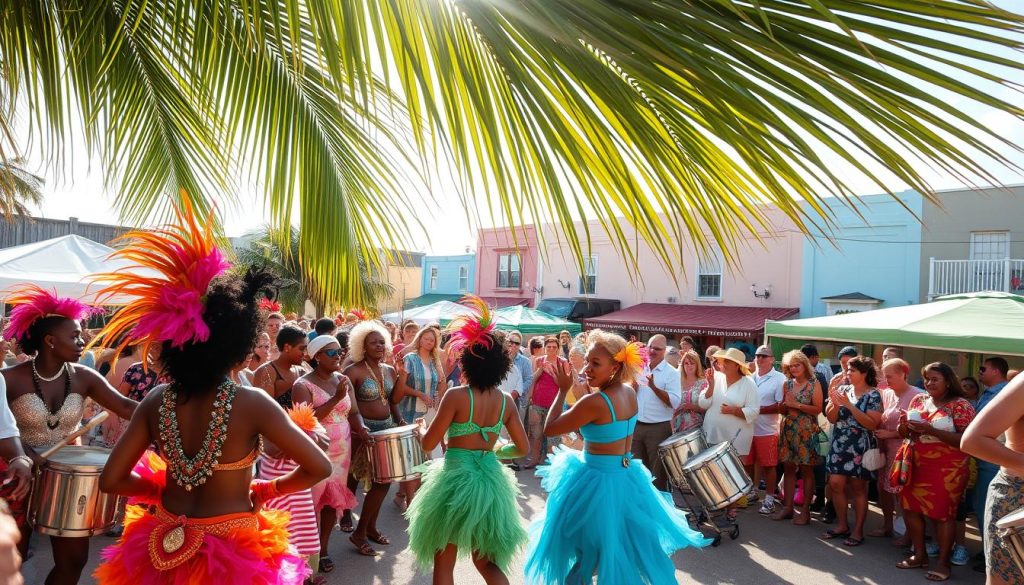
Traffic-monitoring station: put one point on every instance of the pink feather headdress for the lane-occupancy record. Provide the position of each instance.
(33, 303)
(470, 330)
(168, 307)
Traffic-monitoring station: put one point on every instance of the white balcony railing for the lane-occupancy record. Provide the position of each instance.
(950, 277)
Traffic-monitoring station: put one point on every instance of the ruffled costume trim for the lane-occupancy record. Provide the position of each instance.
(467, 499)
(607, 519)
(159, 548)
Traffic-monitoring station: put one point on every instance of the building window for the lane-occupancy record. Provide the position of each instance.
(463, 278)
(990, 245)
(588, 281)
(433, 278)
(508, 271)
(709, 275)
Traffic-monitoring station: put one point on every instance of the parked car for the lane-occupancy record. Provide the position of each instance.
(578, 309)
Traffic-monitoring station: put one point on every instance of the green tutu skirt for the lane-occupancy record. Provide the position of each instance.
(467, 499)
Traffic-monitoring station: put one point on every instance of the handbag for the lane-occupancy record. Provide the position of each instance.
(821, 443)
(903, 465)
(873, 458)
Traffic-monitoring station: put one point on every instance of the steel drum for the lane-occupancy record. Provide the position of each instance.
(717, 476)
(1010, 530)
(676, 450)
(66, 498)
(394, 453)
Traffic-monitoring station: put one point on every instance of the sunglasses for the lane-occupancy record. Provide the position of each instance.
(333, 352)
(982, 369)
(515, 342)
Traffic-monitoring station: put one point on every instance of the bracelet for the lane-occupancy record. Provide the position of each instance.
(264, 490)
(31, 463)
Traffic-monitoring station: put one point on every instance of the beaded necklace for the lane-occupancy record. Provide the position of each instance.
(189, 472)
(52, 416)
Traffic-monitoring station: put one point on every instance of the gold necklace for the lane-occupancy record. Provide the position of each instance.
(377, 381)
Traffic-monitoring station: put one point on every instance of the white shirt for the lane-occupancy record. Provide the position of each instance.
(721, 428)
(8, 426)
(513, 381)
(769, 392)
(650, 408)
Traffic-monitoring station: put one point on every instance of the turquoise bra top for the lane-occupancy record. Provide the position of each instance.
(461, 429)
(608, 432)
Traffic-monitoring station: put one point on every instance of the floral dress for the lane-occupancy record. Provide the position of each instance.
(139, 382)
(684, 420)
(334, 491)
(798, 429)
(850, 440)
(940, 471)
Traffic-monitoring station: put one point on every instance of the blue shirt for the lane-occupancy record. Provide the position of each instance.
(983, 400)
(526, 369)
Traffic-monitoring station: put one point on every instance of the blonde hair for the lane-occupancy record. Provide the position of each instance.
(899, 364)
(357, 339)
(694, 357)
(797, 356)
(613, 344)
(435, 354)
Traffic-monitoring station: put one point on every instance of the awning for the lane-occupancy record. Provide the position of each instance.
(500, 302)
(692, 319)
(430, 299)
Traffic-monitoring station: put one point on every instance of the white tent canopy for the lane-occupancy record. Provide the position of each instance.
(441, 311)
(65, 265)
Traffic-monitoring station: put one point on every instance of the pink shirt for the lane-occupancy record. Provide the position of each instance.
(545, 390)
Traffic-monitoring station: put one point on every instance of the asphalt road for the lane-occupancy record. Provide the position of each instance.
(766, 553)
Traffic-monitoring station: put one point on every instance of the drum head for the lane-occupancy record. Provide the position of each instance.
(706, 455)
(1014, 519)
(680, 436)
(82, 458)
(395, 431)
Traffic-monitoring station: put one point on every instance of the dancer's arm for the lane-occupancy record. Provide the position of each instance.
(559, 421)
(981, 438)
(516, 431)
(100, 390)
(442, 420)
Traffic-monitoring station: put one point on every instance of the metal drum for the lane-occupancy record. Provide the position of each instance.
(1010, 529)
(394, 453)
(676, 450)
(717, 476)
(66, 497)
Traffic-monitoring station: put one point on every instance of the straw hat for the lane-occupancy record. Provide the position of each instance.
(734, 355)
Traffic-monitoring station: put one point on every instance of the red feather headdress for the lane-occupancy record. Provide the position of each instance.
(269, 305)
(32, 303)
(168, 307)
(475, 329)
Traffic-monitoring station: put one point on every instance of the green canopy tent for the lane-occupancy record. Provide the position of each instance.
(430, 299)
(530, 321)
(984, 323)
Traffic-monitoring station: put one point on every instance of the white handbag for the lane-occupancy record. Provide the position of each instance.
(873, 458)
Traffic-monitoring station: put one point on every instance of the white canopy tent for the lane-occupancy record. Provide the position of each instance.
(65, 265)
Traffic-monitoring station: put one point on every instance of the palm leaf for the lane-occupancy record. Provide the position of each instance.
(675, 118)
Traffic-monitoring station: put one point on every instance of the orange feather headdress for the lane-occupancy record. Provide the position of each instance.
(474, 329)
(168, 307)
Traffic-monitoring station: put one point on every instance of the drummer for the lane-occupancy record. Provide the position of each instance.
(1005, 414)
(378, 390)
(731, 404)
(47, 395)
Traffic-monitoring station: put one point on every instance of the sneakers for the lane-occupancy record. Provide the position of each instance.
(752, 496)
(960, 555)
(768, 506)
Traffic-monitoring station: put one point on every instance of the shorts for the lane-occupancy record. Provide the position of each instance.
(764, 451)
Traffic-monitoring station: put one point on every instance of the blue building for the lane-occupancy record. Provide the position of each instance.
(446, 278)
(873, 260)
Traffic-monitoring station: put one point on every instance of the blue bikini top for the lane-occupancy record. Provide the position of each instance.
(608, 432)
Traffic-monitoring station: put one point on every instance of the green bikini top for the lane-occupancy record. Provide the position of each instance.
(461, 429)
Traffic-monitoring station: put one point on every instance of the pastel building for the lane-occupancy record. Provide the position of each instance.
(507, 261)
(702, 297)
(401, 269)
(446, 278)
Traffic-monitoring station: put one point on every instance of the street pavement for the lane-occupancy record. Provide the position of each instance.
(765, 553)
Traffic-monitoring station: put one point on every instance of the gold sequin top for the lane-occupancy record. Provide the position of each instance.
(31, 414)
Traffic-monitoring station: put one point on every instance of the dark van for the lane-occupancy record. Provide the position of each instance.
(578, 309)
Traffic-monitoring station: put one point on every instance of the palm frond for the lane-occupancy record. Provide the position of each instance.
(18, 189)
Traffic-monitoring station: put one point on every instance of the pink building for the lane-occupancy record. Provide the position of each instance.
(702, 297)
(506, 265)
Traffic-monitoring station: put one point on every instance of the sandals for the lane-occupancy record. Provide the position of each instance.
(326, 564)
(832, 533)
(852, 542)
(363, 548)
(346, 525)
(378, 538)
(911, 563)
(936, 575)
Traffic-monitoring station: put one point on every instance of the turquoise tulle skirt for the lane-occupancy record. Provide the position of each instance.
(606, 519)
(468, 499)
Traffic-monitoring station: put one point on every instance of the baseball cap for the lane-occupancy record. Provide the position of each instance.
(849, 350)
(809, 350)
(764, 350)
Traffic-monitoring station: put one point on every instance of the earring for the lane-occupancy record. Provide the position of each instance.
(51, 346)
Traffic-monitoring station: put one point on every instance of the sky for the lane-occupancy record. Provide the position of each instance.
(80, 192)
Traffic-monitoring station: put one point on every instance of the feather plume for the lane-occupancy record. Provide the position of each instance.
(634, 356)
(169, 307)
(32, 303)
(475, 329)
(269, 305)
(304, 417)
